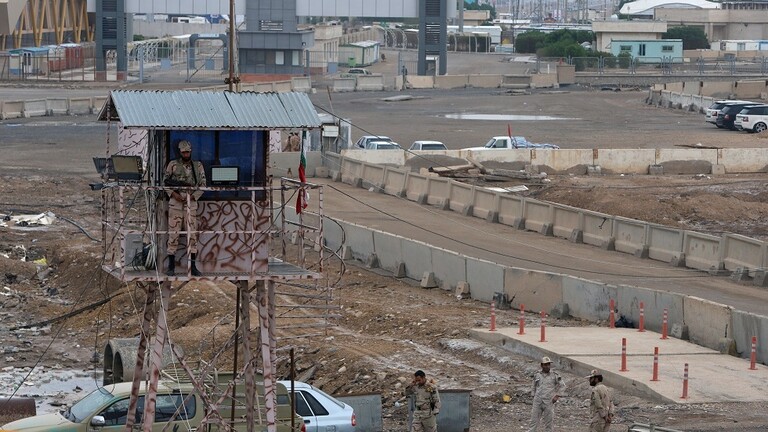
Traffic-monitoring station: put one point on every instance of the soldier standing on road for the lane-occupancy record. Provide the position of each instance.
(183, 172)
(547, 386)
(427, 403)
(600, 406)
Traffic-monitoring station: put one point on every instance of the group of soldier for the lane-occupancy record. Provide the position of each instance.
(547, 389)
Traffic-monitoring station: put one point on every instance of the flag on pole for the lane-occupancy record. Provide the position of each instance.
(302, 198)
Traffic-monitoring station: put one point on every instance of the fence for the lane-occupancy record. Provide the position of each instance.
(729, 66)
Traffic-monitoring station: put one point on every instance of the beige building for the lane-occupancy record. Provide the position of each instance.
(722, 24)
(606, 31)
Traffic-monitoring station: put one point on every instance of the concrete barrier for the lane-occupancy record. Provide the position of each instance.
(282, 86)
(57, 106)
(35, 108)
(484, 81)
(389, 157)
(98, 103)
(692, 87)
(745, 160)
(743, 252)
(627, 161)
(333, 234)
(373, 176)
(676, 87)
(544, 80)
(707, 321)
(631, 236)
(360, 240)
(370, 83)
(264, 87)
(485, 278)
(511, 210)
(749, 89)
(665, 244)
(420, 82)
(417, 257)
(344, 84)
(588, 299)
(702, 251)
(567, 222)
(11, 109)
(389, 250)
(746, 325)
(717, 89)
(416, 187)
(450, 268)
(486, 204)
(686, 161)
(597, 229)
(516, 81)
(333, 162)
(451, 81)
(351, 171)
(538, 216)
(538, 291)
(438, 191)
(301, 84)
(654, 302)
(395, 181)
(80, 106)
(521, 156)
(462, 196)
(574, 161)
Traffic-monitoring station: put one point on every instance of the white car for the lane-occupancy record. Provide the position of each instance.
(382, 145)
(428, 145)
(713, 110)
(752, 119)
(365, 139)
(320, 411)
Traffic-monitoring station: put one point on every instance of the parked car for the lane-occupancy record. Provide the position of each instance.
(427, 145)
(713, 110)
(753, 119)
(507, 142)
(727, 115)
(365, 139)
(320, 411)
(359, 71)
(382, 145)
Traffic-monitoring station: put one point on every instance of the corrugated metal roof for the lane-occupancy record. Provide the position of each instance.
(209, 110)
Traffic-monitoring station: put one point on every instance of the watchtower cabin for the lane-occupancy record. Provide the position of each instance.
(241, 212)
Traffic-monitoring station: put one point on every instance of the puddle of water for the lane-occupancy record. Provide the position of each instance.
(506, 117)
(46, 386)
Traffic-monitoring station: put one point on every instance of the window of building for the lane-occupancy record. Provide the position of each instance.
(667, 48)
(295, 58)
(279, 57)
(625, 48)
(260, 57)
(641, 50)
(270, 58)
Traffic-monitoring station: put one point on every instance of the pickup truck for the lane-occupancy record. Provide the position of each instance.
(106, 410)
(515, 142)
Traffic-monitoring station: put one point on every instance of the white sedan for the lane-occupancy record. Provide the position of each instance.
(321, 412)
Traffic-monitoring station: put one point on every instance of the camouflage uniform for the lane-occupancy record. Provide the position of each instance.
(294, 142)
(427, 406)
(177, 170)
(545, 387)
(601, 409)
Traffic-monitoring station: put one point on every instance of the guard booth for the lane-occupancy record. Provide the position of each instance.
(240, 214)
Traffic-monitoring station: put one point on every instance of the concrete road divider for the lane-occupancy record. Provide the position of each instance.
(370, 83)
(486, 204)
(416, 188)
(80, 106)
(538, 216)
(462, 195)
(567, 222)
(301, 84)
(572, 161)
(703, 251)
(587, 298)
(746, 325)
(420, 82)
(627, 161)
(282, 86)
(451, 81)
(57, 106)
(351, 172)
(11, 109)
(389, 250)
(344, 84)
(485, 81)
(631, 236)
(98, 102)
(395, 181)
(745, 160)
(373, 176)
(749, 89)
(666, 244)
(485, 278)
(417, 257)
(360, 240)
(743, 252)
(438, 192)
(35, 108)
(628, 304)
(707, 322)
(449, 267)
(511, 210)
(536, 290)
(686, 161)
(597, 229)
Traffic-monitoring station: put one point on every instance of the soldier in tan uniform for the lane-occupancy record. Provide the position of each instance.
(427, 403)
(547, 386)
(184, 173)
(600, 405)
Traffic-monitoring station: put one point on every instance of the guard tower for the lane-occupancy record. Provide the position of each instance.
(239, 214)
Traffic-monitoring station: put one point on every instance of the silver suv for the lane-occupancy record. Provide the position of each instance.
(753, 119)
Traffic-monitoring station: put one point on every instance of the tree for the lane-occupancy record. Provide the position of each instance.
(528, 42)
(693, 37)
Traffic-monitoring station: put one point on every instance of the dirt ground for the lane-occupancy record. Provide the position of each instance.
(388, 327)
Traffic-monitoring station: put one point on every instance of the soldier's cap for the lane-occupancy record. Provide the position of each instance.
(545, 360)
(185, 146)
(594, 373)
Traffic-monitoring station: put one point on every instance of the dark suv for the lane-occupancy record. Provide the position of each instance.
(727, 114)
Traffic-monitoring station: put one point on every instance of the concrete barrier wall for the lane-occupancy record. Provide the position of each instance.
(511, 209)
(282, 86)
(35, 108)
(686, 161)
(98, 103)
(538, 216)
(719, 89)
(564, 160)
(565, 221)
(438, 191)
(485, 204)
(702, 251)
(707, 321)
(389, 250)
(746, 325)
(57, 106)
(597, 229)
(749, 89)
(538, 291)
(360, 240)
(747, 160)
(462, 196)
(665, 243)
(743, 252)
(373, 176)
(417, 257)
(344, 84)
(351, 170)
(333, 162)
(11, 109)
(631, 236)
(280, 163)
(385, 157)
(370, 83)
(301, 84)
(485, 278)
(692, 87)
(451, 81)
(420, 82)
(394, 181)
(627, 161)
(79, 106)
(485, 81)
(674, 87)
(416, 187)
(449, 267)
(588, 299)
(654, 302)
(261, 87)
(482, 156)
(544, 80)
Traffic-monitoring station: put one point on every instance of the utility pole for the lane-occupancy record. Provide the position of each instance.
(232, 80)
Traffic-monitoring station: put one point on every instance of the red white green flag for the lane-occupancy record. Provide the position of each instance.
(303, 197)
